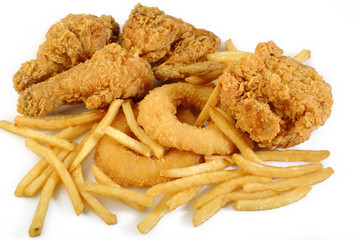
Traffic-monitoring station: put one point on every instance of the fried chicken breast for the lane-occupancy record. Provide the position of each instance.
(111, 73)
(168, 43)
(69, 42)
(274, 98)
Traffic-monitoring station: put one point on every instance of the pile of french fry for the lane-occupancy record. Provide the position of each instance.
(244, 178)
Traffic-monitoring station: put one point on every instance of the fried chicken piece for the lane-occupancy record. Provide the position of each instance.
(69, 42)
(111, 73)
(274, 98)
(166, 41)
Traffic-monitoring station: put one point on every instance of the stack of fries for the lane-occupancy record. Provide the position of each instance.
(243, 178)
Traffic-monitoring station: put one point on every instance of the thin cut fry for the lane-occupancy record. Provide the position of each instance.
(97, 133)
(37, 135)
(155, 215)
(120, 193)
(204, 79)
(51, 123)
(302, 56)
(194, 180)
(42, 208)
(272, 202)
(210, 166)
(211, 102)
(59, 167)
(275, 172)
(290, 183)
(127, 141)
(232, 133)
(140, 133)
(40, 180)
(227, 56)
(209, 209)
(182, 197)
(101, 177)
(228, 186)
(293, 155)
(230, 46)
(92, 201)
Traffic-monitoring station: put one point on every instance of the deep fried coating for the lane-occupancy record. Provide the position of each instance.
(69, 42)
(165, 40)
(157, 115)
(111, 73)
(274, 98)
(130, 169)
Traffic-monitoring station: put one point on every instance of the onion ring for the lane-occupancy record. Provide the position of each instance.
(157, 115)
(129, 169)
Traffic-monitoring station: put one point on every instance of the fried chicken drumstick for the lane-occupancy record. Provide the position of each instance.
(111, 73)
(169, 44)
(69, 42)
(274, 98)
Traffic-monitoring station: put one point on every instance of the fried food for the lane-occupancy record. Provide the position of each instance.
(169, 43)
(274, 98)
(162, 125)
(69, 42)
(111, 73)
(127, 168)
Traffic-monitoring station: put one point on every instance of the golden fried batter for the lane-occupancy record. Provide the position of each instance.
(111, 73)
(274, 98)
(164, 40)
(68, 42)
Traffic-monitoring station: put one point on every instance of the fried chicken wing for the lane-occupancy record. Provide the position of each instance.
(274, 98)
(111, 73)
(69, 42)
(166, 41)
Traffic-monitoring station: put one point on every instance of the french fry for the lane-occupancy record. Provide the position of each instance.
(68, 134)
(226, 187)
(230, 46)
(59, 167)
(120, 193)
(40, 180)
(210, 166)
(302, 56)
(232, 133)
(127, 141)
(42, 208)
(290, 183)
(104, 213)
(58, 122)
(204, 79)
(275, 172)
(227, 56)
(194, 180)
(272, 202)
(212, 207)
(140, 133)
(182, 197)
(101, 177)
(231, 120)
(225, 157)
(37, 135)
(211, 102)
(155, 215)
(293, 155)
(97, 133)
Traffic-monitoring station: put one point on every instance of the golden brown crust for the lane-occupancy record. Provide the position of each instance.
(276, 99)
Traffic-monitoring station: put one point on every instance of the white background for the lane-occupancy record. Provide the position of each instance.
(330, 29)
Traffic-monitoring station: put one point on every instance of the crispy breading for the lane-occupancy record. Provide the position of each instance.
(274, 98)
(165, 41)
(111, 73)
(69, 42)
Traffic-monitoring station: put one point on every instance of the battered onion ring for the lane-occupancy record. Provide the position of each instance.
(129, 169)
(157, 115)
